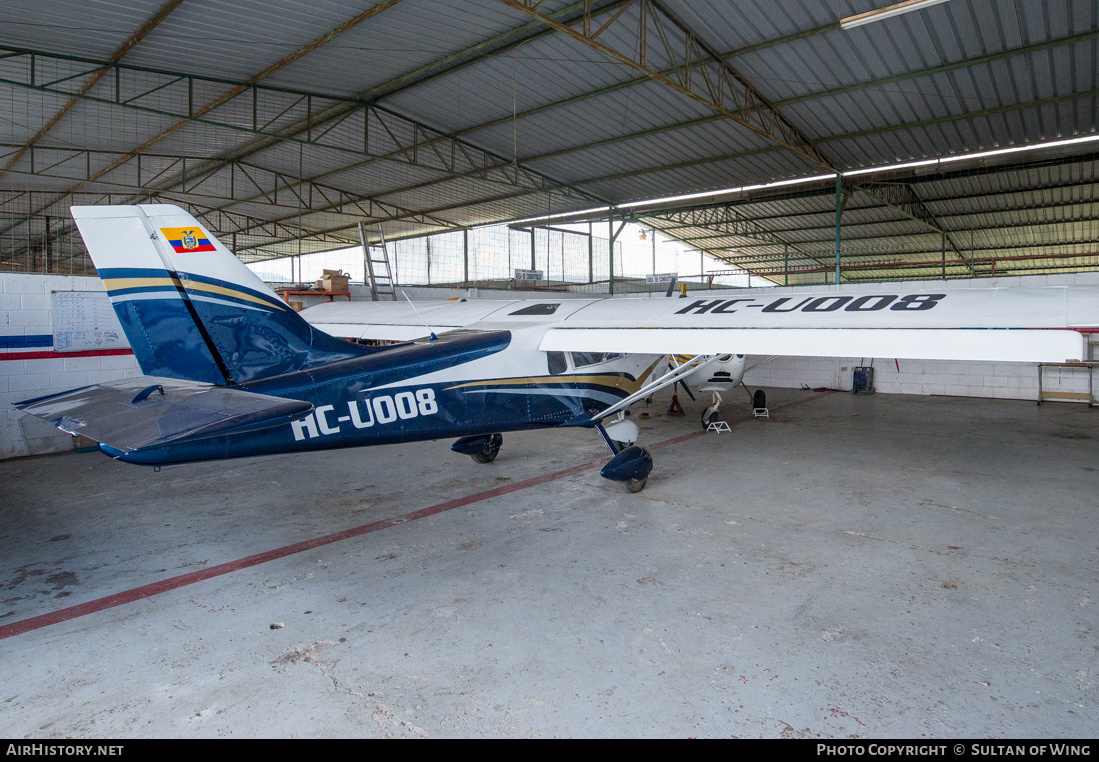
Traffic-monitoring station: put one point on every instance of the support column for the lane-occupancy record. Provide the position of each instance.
(610, 250)
(839, 212)
(654, 250)
(972, 264)
(49, 247)
(786, 264)
(591, 272)
(465, 256)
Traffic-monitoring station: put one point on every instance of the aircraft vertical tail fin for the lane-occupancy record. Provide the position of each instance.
(190, 308)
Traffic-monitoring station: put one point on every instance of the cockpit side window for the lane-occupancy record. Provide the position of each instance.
(586, 359)
(557, 363)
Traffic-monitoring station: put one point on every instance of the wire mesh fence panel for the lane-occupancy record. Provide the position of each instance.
(574, 258)
(519, 250)
(489, 255)
(42, 244)
(350, 261)
(274, 270)
(410, 261)
(446, 258)
(636, 258)
(601, 270)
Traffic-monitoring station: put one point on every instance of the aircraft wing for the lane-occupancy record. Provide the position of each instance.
(399, 321)
(147, 411)
(1017, 325)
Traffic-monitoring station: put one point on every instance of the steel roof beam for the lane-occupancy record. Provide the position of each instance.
(135, 38)
(241, 88)
(414, 143)
(673, 71)
(726, 219)
(904, 199)
(722, 89)
(870, 252)
(929, 71)
(703, 75)
(441, 67)
(481, 51)
(852, 135)
(1094, 202)
(245, 182)
(278, 65)
(854, 242)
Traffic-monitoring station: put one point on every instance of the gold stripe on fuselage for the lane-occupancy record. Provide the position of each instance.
(194, 285)
(118, 284)
(618, 382)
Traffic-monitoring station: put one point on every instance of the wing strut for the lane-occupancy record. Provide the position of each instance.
(669, 378)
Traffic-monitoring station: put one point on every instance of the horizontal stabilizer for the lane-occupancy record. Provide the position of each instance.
(145, 412)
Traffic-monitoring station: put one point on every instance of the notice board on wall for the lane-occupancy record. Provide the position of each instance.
(85, 320)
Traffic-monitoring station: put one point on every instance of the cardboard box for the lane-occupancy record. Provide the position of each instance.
(333, 281)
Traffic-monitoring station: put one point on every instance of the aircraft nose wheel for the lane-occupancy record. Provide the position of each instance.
(709, 415)
(634, 485)
(492, 449)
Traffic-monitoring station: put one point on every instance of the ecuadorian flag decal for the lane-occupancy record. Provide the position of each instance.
(187, 240)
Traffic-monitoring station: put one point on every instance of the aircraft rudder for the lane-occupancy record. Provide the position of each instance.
(191, 308)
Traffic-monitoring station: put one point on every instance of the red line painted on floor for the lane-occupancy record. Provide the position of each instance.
(173, 583)
(51, 355)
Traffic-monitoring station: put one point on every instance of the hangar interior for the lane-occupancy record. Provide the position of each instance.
(763, 146)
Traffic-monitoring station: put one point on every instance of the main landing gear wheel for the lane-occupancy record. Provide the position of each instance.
(490, 452)
(759, 399)
(634, 485)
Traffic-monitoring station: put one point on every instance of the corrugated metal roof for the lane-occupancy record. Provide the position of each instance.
(546, 122)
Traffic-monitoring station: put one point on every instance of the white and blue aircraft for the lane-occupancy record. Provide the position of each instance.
(232, 371)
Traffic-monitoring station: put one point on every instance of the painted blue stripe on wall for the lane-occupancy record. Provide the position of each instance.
(23, 342)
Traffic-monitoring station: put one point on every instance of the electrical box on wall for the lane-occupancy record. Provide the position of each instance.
(862, 381)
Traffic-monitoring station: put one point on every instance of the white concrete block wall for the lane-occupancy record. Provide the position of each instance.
(28, 367)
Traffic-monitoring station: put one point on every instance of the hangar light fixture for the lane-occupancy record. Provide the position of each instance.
(976, 155)
(887, 12)
(817, 178)
(725, 191)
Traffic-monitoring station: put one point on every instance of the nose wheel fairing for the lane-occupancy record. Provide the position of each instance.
(630, 465)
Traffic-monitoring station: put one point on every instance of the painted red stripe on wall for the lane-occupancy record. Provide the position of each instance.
(63, 355)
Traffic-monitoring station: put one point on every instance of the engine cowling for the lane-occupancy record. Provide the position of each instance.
(721, 376)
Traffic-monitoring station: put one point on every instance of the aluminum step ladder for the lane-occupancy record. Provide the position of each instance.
(379, 276)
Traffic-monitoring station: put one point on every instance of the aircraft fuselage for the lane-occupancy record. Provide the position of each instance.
(463, 383)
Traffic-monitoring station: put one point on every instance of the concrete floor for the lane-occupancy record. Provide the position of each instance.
(886, 566)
